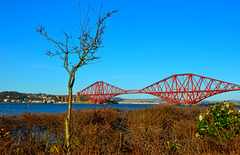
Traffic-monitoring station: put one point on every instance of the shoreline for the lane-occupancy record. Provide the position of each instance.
(135, 103)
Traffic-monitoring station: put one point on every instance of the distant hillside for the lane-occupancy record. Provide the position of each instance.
(118, 99)
(13, 96)
(209, 101)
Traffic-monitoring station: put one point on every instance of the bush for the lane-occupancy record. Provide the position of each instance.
(220, 122)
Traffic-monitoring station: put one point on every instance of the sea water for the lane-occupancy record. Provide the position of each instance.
(17, 108)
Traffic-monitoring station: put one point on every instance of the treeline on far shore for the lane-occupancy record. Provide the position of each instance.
(161, 129)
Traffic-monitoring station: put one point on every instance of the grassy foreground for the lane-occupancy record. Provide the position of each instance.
(161, 129)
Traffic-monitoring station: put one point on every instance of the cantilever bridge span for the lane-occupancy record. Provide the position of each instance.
(179, 88)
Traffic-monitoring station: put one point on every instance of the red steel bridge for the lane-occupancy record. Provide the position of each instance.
(179, 89)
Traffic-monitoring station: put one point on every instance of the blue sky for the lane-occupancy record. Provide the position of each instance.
(145, 42)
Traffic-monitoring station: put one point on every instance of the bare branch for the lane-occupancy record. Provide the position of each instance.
(40, 29)
(90, 41)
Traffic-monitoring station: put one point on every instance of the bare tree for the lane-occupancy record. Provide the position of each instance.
(88, 43)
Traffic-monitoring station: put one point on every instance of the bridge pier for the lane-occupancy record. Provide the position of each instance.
(64, 98)
(77, 98)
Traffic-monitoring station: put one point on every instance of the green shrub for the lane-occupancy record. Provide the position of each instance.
(221, 122)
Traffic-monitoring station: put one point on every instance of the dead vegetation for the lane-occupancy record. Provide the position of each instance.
(156, 130)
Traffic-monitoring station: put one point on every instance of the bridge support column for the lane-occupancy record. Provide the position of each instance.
(77, 98)
(74, 98)
(61, 99)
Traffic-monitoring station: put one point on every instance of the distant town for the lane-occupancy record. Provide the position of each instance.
(16, 97)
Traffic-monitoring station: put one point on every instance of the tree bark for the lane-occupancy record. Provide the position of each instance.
(68, 119)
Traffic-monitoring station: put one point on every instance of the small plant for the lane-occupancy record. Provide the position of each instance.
(173, 146)
(4, 134)
(221, 121)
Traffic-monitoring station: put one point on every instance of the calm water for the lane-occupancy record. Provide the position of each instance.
(16, 108)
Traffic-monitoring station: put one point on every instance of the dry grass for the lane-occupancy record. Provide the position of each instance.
(156, 130)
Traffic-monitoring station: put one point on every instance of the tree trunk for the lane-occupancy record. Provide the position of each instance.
(68, 119)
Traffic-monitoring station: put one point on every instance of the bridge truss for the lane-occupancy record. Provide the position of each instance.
(179, 89)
